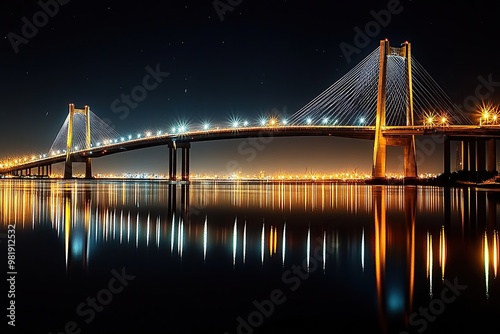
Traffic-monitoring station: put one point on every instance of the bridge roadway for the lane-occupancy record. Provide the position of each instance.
(456, 132)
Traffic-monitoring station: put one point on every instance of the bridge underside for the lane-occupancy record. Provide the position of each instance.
(471, 139)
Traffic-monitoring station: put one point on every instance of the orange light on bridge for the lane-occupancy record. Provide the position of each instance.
(444, 120)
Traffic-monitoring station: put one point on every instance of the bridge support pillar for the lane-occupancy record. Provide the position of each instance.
(446, 158)
(185, 161)
(68, 169)
(492, 155)
(481, 155)
(472, 155)
(465, 155)
(172, 162)
(88, 168)
(410, 160)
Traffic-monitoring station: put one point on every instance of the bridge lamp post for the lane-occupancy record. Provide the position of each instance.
(325, 120)
(430, 120)
(444, 120)
(206, 126)
(308, 121)
(284, 121)
(486, 115)
(362, 121)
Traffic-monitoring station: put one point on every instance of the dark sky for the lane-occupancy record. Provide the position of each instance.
(264, 56)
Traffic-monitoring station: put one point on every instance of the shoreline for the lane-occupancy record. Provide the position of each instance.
(433, 182)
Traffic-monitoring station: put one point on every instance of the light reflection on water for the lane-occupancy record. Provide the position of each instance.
(396, 239)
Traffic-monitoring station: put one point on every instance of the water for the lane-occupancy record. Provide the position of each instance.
(141, 257)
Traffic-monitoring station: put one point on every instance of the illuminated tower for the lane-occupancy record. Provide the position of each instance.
(68, 168)
(380, 143)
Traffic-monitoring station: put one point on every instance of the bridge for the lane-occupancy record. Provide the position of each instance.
(388, 98)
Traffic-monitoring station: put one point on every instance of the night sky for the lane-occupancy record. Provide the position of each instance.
(263, 57)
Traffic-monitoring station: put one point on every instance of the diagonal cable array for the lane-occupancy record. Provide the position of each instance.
(352, 100)
(349, 100)
(100, 133)
(430, 98)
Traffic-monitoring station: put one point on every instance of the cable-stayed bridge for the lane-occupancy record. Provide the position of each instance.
(388, 98)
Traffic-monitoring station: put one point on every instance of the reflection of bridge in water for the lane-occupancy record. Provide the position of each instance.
(396, 229)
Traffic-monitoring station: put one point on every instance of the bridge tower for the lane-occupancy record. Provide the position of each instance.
(381, 143)
(68, 167)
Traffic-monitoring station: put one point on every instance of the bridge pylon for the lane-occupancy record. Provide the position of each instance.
(68, 166)
(381, 143)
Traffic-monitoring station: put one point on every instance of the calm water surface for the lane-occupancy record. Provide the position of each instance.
(149, 257)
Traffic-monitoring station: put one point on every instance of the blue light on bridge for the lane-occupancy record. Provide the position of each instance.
(308, 121)
(206, 126)
(325, 120)
(284, 121)
(362, 120)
